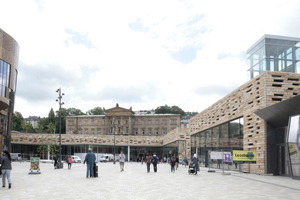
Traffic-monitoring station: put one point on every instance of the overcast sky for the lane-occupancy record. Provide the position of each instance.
(142, 54)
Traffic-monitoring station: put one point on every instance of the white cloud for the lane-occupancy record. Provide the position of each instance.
(139, 63)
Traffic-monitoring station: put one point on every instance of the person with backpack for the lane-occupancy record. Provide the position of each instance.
(155, 160)
(172, 163)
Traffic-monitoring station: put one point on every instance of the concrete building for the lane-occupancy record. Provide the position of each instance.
(135, 135)
(9, 58)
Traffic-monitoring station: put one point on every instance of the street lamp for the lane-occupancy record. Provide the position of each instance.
(60, 104)
(114, 128)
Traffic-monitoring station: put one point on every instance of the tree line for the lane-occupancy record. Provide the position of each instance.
(50, 124)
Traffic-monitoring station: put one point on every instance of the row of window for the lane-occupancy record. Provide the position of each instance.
(143, 132)
(71, 122)
(231, 131)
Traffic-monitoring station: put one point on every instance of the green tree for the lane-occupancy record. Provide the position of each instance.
(163, 109)
(17, 121)
(95, 111)
(26, 126)
(51, 128)
(43, 124)
(51, 116)
(48, 145)
(170, 110)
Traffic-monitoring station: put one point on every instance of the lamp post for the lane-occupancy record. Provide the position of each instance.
(60, 104)
(114, 128)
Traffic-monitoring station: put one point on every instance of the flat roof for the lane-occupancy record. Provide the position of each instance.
(140, 115)
(278, 114)
(279, 37)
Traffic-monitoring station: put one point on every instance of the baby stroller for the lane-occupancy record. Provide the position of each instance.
(191, 168)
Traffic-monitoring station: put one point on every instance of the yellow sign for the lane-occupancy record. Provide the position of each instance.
(292, 148)
(180, 157)
(244, 156)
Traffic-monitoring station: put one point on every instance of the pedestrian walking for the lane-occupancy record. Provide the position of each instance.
(177, 162)
(142, 160)
(172, 163)
(55, 162)
(122, 161)
(90, 159)
(70, 161)
(155, 160)
(6, 168)
(185, 160)
(148, 162)
(196, 164)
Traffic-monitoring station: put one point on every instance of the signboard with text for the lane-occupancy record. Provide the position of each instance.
(244, 156)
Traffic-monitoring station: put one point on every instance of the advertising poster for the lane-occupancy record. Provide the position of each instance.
(218, 155)
(34, 163)
(244, 156)
(292, 148)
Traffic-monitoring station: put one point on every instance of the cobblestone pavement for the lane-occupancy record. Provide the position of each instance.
(135, 183)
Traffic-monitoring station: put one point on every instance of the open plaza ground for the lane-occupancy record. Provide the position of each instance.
(136, 183)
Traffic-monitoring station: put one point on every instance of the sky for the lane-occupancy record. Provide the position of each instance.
(139, 54)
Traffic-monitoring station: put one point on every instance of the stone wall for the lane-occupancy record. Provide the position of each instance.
(264, 90)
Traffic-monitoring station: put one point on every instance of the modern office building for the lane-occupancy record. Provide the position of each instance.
(255, 116)
(9, 58)
(274, 53)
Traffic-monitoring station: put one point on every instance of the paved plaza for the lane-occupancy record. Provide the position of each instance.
(135, 183)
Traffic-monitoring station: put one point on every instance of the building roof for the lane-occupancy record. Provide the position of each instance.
(279, 37)
(278, 114)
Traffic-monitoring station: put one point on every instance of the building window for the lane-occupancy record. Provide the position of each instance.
(126, 121)
(136, 131)
(86, 123)
(149, 131)
(164, 122)
(98, 123)
(92, 123)
(156, 132)
(71, 131)
(4, 78)
(164, 132)
(143, 132)
(92, 132)
(135, 122)
(71, 123)
(127, 130)
(86, 131)
(149, 121)
(142, 121)
(119, 130)
(112, 130)
(79, 132)
(174, 121)
(98, 130)
(79, 123)
(156, 122)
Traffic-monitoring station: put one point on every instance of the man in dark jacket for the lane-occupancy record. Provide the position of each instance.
(155, 160)
(90, 159)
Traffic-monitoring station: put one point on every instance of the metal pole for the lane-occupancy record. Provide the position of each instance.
(59, 126)
(60, 103)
